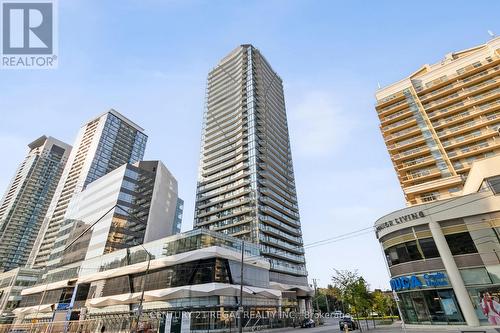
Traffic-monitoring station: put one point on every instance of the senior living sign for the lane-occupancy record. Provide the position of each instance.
(400, 220)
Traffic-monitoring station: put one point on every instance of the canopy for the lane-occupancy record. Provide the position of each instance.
(204, 253)
(198, 290)
(33, 309)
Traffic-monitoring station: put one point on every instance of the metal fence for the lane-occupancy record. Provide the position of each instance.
(83, 326)
(200, 322)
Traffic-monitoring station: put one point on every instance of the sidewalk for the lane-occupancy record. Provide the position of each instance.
(396, 327)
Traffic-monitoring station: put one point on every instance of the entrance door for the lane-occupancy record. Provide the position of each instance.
(176, 323)
(420, 308)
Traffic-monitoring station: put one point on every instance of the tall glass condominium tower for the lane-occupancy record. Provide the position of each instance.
(246, 185)
(102, 145)
(27, 199)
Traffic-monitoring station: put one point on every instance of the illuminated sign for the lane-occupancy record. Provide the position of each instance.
(435, 279)
(405, 283)
(416, 282)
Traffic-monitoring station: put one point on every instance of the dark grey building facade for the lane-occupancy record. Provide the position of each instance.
(246, 186)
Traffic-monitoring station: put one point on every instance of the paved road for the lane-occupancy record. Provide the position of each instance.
(332, 325)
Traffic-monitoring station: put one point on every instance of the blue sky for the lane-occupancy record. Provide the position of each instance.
(149, 60)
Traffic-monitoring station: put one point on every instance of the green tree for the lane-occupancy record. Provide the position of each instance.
(383, 304)
(354, 292)
(327, 299)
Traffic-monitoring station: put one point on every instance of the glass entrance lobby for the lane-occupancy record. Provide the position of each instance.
(437, 307)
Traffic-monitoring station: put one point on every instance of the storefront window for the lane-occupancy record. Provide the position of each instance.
(476, 276)
(402, 253)
(428, 248)
(411, 251)
(486, 301)
(449, 306)
(438, 307)
(461, 243)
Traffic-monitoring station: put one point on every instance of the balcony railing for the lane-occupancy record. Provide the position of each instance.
(466, 150)
(392, 107)
(410, 152)
(460, 93)
(402, 133)
(462, 72)
(406, 142)
(417, 161)
(398, 124)
(421, 174)
(465, 138)
(482, 120)
(395, 115)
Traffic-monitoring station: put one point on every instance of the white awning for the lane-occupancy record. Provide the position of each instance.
(204, 253)
(300, 290)
(198, 290)
(114, 300)
(33, 309)
(49, 286)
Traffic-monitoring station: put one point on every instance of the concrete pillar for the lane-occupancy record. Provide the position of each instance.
(454, 275)
(302, 305)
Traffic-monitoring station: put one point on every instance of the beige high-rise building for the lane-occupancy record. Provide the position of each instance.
(440, 119)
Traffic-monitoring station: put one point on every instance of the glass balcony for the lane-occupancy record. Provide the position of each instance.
(407, 131)
(279, 224)
(425, 173)
(398, 124)
(395, 115)
(417, 162)
(282, 244)
(404, 143)
(392, 107)
(411, 152)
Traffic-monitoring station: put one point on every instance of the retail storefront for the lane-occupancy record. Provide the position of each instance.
(427, 299)
(444, 258)
(193, 272)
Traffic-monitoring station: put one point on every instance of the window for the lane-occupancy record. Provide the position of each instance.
(461, 243)
(413, 252)
(494, 184)
(402, 253)
(473, 276)
(431, 307)
(427, 197)
(429, 248)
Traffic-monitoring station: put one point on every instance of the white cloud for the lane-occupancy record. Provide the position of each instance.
(320, 125)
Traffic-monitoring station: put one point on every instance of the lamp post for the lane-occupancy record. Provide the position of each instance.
(143, 283)
(240, 306)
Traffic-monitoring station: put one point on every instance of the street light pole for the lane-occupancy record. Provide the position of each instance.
(240, 307)
(143, 284)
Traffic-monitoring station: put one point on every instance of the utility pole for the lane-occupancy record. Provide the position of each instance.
(240, 307)
(396, 298)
